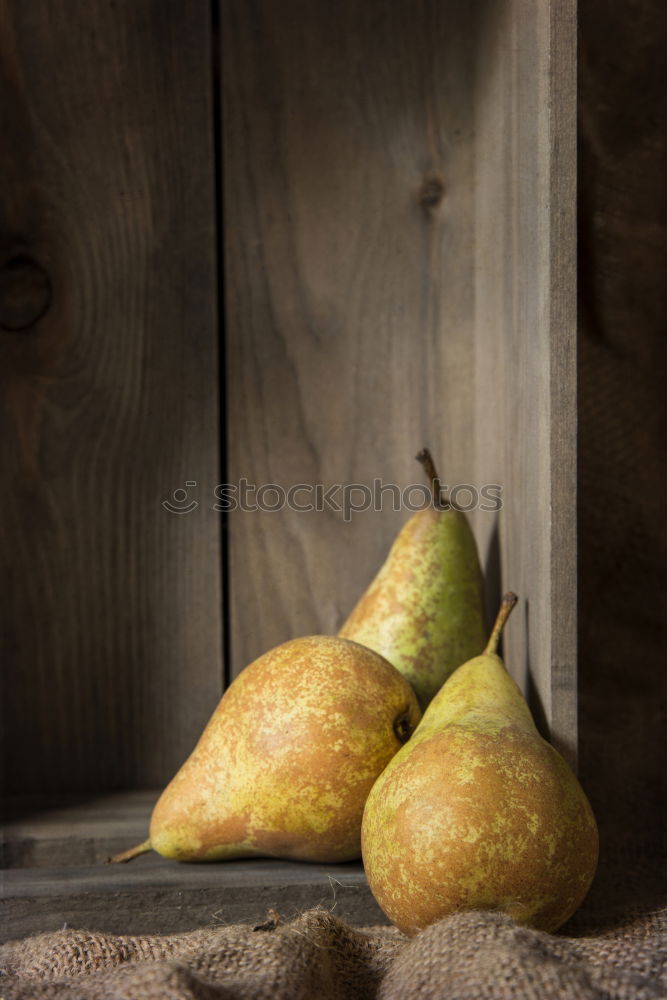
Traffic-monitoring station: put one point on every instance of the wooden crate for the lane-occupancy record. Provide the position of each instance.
(286, 242)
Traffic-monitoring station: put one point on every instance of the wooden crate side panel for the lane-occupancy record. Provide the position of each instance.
(111, 614)
(561, 142)
(525, 338)
(349, 287)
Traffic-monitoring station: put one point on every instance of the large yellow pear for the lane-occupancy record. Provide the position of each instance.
(285, 764)
(478, 811)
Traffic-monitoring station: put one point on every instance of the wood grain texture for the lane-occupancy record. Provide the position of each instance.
(525, 376)
(57, 846)
(400, 192)
(111, 621)
(154, 896)
(73, 831)
(348, 163)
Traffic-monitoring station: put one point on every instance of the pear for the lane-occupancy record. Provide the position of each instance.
(285, 764)
(424, 611)
(478, 811)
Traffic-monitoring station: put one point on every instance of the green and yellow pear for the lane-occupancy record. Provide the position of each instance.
(424, 611)
(478, 811)
(285, 764)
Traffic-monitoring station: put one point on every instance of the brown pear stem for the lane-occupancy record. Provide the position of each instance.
(508, 602)
(425, 459)
(132, 852)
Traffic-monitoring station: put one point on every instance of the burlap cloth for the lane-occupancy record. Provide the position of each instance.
(615, 947)
(469, 957)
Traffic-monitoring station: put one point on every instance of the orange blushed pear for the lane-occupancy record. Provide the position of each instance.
(288, 757)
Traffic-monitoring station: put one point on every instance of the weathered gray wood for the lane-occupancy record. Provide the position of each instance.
(525, 381)
(349, 168)
(400, 270)
(560, 139)
(400, 190)
(155, 896)
(56, 851)
(111, 620)
(73, 831)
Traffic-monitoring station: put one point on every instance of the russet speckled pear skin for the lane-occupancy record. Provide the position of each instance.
(424, 611)
(477, 811)
(285, 764)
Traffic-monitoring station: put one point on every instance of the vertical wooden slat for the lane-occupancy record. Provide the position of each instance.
(111, 613)
(348, 209)
(525, 385)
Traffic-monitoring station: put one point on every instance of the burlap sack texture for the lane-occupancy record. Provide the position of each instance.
(472, 956)
(615, 948)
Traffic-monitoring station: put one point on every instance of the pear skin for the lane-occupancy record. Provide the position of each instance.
(285, 764)
(478, 811)
(424, 611)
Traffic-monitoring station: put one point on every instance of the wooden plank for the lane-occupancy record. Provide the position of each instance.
(348, 164)
(155, 896)
(111, 620)
(525, 380)
(40, 832)
(560, 146)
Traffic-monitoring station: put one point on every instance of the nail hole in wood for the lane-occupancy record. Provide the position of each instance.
(431, 193)
(25, 292)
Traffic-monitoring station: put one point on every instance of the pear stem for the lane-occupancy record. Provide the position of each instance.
(132, 852)
(508, 602)
(425, 459)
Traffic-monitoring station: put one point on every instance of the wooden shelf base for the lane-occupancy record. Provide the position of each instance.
(56, 876)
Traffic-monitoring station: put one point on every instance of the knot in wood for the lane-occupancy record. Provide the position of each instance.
(25, 292)
(431, 193)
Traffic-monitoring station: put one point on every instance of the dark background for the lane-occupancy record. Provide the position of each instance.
(622, 517)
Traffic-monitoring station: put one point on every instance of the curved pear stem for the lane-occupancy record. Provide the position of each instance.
(132, 852)
(508, 602)
(425, 459)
